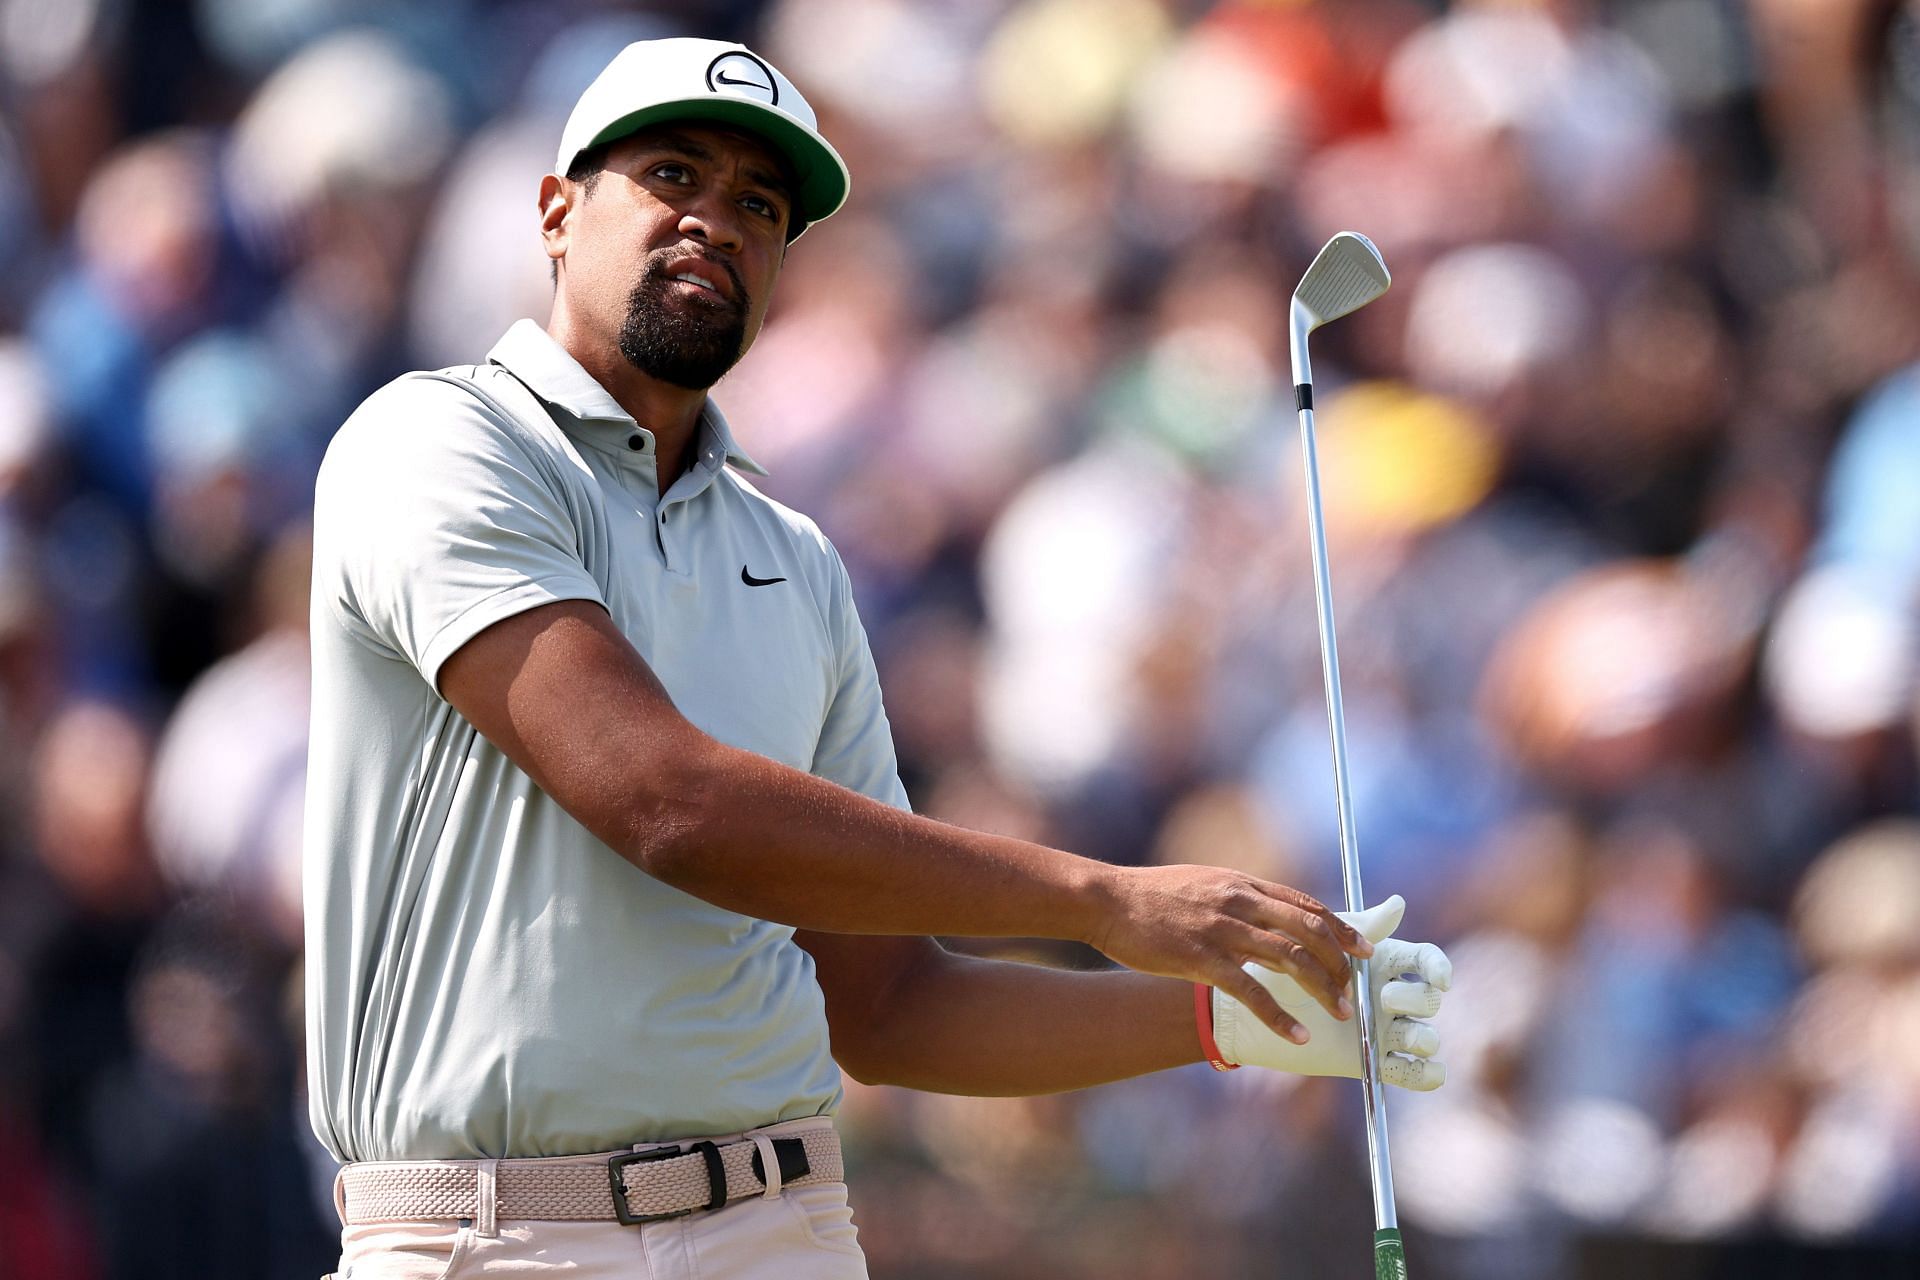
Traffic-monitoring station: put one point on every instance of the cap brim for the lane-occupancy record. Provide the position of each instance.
(823, 177)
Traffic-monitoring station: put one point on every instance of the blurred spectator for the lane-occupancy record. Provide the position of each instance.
(43, 1234)
(230, 773)
(145, 238)
(79, 912)
(200, 1156)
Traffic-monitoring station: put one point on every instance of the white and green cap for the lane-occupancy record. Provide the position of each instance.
(683, 78)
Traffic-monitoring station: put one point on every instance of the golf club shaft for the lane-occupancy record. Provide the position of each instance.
(1386, 1221)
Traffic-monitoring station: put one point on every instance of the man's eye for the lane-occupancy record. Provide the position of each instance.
(671, 172)
(761, 206)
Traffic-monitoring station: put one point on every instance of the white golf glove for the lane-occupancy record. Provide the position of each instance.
(1407, 1046)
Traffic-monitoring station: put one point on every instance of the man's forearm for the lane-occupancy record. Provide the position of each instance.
(960, 1024)
(765, 840)
(561, 691)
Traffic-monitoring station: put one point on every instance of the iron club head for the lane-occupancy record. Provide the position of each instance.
(1345, 275)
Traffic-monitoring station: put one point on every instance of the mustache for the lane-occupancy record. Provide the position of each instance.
(655, 273)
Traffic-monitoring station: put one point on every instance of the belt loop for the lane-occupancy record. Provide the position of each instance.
(488, 1199)
(340, 1195)
(769, 1163)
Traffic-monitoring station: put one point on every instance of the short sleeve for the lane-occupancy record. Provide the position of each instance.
(436, 517)
(856, 742)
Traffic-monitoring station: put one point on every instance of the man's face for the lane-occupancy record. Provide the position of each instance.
(677, 246)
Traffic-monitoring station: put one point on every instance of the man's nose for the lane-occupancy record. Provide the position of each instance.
(713, 221)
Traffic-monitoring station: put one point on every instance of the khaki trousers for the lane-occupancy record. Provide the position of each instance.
(804, 1233)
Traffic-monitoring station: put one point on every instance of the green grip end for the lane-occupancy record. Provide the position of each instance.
(1389, 1256)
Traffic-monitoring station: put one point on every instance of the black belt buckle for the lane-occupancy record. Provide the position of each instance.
(716, 1181)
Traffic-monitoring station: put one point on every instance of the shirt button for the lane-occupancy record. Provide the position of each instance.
(636, 443)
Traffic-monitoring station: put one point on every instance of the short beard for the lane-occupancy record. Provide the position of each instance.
(684, 342)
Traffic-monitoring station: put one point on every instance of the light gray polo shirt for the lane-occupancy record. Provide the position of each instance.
(484, 977)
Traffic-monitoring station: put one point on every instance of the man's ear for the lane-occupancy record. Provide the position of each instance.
(556, 202)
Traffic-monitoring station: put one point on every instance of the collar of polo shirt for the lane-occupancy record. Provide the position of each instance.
(529, 353)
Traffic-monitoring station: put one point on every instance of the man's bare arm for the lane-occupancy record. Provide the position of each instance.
(905, 1011)
(559, 689)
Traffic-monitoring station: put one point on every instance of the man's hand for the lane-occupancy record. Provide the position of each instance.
(1407, 1045)
(1203, 924)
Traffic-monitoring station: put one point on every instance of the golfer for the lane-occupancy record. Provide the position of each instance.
(609, 872)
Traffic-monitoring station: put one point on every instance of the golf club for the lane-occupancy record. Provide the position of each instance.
(1345, 275)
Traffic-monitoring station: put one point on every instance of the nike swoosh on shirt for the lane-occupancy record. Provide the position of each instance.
(752, 581)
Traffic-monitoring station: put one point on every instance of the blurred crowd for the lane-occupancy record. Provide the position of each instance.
(1623, 486)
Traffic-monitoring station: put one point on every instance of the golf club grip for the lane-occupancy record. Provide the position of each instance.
(1389, 1256)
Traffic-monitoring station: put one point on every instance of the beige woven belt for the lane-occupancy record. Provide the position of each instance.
(627, 1186)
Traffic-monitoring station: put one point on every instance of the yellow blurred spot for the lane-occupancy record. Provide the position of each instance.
(1057, 72)
(1398, 461)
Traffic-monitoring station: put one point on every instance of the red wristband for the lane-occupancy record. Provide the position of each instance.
(1203, 1022)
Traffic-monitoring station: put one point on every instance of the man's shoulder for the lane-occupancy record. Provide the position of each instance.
(461, 407)
(460, 391)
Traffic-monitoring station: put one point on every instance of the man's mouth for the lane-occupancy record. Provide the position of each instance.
(712, 279)
(687, 277)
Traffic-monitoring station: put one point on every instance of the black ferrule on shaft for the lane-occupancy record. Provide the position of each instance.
(1303, 395)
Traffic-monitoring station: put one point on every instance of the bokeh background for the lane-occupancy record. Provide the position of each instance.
(1624, 490)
